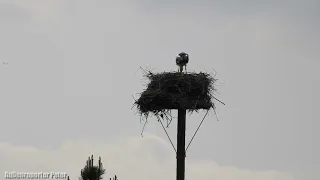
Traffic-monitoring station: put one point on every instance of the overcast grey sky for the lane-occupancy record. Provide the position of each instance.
(67, 89)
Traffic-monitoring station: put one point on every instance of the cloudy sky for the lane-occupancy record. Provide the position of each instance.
(69, 70)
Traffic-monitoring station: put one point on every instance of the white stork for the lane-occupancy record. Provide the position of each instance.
(182, 60)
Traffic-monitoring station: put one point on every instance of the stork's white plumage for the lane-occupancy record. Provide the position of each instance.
(182, 60)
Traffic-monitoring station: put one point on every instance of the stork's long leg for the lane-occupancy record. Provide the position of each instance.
(181, 69)
(185, 68)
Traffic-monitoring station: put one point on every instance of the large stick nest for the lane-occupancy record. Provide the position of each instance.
(173, 90)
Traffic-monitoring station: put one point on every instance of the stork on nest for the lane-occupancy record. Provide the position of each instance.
(182, 59)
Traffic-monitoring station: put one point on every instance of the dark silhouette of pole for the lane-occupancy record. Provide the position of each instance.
(181, 141)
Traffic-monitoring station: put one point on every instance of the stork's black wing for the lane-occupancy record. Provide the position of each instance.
(179, 60)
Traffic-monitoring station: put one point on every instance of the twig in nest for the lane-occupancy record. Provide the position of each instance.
(168, 120)
(219, 100)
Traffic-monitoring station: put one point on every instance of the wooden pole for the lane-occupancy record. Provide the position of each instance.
(181, 141)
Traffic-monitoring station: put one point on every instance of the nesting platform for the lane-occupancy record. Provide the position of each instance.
(173, 90)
